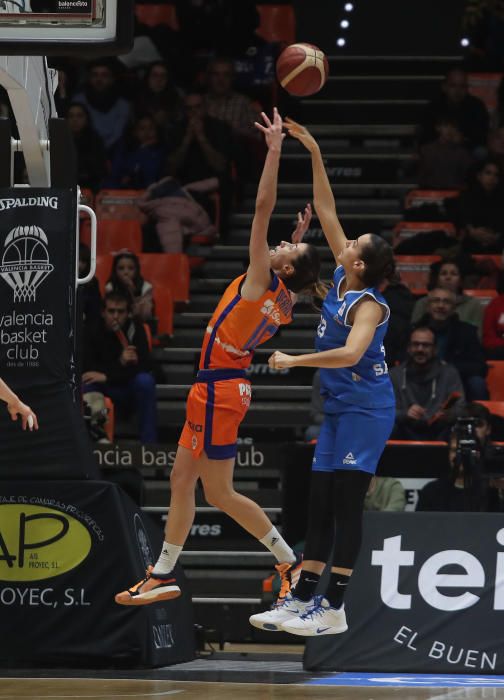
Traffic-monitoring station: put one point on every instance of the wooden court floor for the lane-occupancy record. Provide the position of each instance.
(141, 689)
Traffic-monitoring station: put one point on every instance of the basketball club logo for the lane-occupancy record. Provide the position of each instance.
(25, 262)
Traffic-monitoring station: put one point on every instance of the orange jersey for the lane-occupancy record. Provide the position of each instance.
(238, 326)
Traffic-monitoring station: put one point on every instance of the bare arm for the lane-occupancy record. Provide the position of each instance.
(258, 274)
(367, 317)
(323, 198)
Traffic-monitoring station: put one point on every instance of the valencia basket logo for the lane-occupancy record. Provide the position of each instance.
(25, 261)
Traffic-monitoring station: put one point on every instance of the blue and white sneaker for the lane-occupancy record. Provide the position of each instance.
(284, 609)
(319, 619)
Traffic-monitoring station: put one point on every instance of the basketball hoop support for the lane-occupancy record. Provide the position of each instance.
(30, 85)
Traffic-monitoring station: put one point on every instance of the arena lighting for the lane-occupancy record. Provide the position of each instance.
(464, 41)
(344, 24)
(348, 7)
(341, 41)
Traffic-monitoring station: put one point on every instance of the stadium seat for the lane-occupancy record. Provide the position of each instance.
(495, 379)
(163, 309)
(416, 198)
(495, 407)
(484, 296)
(404, 230)
(119, 204)
(117, 235)
(109, 426)
(277, 23)
(486, 87)
(169, 269)
(103, 270)
(154, 15)
(415, 270)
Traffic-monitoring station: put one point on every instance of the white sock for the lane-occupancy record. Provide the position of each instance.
(168, 558)
(278, 547)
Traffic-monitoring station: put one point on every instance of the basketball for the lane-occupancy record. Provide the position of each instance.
(302, 69)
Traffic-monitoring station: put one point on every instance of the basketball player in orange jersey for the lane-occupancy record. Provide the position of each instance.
(17, 408)
(250, 312)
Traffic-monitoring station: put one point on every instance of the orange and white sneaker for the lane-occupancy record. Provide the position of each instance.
(151, 589)
(289, 575)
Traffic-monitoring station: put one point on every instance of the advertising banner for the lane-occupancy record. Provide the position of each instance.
(427, 596)
(66, 548)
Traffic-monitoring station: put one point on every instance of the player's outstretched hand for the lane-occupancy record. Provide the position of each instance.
(279, 360)
(303, 224)
(301, 133)
(28, 417)
(273, 130)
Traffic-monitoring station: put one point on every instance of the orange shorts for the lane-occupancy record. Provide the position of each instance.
(214, 412)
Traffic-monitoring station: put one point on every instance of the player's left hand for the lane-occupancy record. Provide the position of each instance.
(272, 131)
(279, 360)
(303, 224)
(28, 417)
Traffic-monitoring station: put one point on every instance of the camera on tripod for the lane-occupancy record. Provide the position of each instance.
(477, 458)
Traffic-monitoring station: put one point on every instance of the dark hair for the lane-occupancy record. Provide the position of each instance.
(306, 273)
(421, 327)
(117, 296)
(116, 283)
(378, 259)
(475, 410)
(435, 269)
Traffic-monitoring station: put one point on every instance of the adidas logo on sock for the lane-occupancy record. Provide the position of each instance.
(349, 459)
(274, 540)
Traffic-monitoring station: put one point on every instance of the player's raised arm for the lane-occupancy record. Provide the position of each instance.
(16, 407)
(258, 274)
(323, 198)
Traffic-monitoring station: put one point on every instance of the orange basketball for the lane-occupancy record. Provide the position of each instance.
(302, 69)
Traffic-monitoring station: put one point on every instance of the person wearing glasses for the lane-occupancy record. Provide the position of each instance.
(428, 391)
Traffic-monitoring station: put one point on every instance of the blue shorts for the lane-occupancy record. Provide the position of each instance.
(353, 438)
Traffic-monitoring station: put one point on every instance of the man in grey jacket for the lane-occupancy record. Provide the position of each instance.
(428, 391)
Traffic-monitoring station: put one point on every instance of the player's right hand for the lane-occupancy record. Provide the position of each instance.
(303, 224)
(28, 417)
(273, 130)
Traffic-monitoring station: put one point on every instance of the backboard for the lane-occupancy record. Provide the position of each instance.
(66, 27)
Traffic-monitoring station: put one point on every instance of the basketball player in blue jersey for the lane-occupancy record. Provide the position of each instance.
(359, 411)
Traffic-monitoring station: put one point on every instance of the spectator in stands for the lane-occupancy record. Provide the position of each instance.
(457, 342)
(160, 97)
(481, 239)
(460, 490)
(481, 203)
(455, 103)
(223, 103)
(426, 390)
(140, 158)
(444, 161)
(316, 410)
(201, 148)
(126, 279)
(401, 302)
(496, 145)
(117, 363)
(447, 274)
(385, 494)
(483, 23)
(493, 324)
(110, 113)
(91, 154)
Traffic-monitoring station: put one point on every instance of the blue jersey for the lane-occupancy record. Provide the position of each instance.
(366, 384)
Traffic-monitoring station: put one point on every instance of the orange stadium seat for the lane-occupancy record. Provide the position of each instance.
(417, 198)
(154, 15)
(495, 379)
(119, 204)
(277, 23)
(118, 235)
(486, 87)
(415, 270)
(484, 296)
(495, 407)
(109, 426)
(169, 269)
(407, 229)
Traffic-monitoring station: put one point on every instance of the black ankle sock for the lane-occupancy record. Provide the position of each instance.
(305, 587)
(336, 589)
